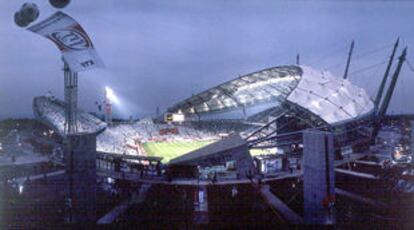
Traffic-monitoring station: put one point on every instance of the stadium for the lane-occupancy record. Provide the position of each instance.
(258, 106)
(255, 140)
(288, 144)
(267, 128)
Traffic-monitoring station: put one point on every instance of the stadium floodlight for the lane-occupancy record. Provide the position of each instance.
(21, 187)
(110, 96)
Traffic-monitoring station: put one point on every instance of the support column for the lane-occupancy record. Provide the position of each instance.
(319, 177)
(81, 169)
(201, 206)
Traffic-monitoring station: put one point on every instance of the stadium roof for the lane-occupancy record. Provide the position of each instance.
(51, 111)
(269, 84)
(332, 99)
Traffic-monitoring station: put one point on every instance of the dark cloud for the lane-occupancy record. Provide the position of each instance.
(159, 52)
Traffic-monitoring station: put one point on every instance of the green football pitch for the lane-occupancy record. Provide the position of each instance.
(171, 150)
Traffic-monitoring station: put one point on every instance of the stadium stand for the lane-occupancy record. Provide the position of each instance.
(130, 138)
(51, 111)
(221, 126)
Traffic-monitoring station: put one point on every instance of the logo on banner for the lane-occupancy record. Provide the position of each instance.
(71, 40)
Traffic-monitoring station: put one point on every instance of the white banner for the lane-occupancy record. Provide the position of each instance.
(76, 46)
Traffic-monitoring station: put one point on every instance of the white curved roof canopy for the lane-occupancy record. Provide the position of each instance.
(333, 99)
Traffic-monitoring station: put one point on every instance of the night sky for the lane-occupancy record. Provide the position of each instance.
(159, 52)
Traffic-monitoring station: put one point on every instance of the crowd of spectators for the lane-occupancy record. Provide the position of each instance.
(221, 126)
(127, 138)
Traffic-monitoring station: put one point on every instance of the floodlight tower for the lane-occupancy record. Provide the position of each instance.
(109, 97)
(78, 53)
(108, 112)
(71, 99)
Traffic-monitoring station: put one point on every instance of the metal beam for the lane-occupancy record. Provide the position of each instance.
(298, 112)
(384, 79)
(362, 199)
(248, 82)
(124, 206)
(224, 91)
(390, 91)
(71, 99)
(349, 59)
(356, 174)
(287, 213)
(272, 86)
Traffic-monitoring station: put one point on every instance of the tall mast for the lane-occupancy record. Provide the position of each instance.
(349, 59)
(71, 99)
(383, 110)
(385, 78)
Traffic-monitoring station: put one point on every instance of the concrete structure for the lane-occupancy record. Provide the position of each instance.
(200, 215)
(319, 177)
(80, 158)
